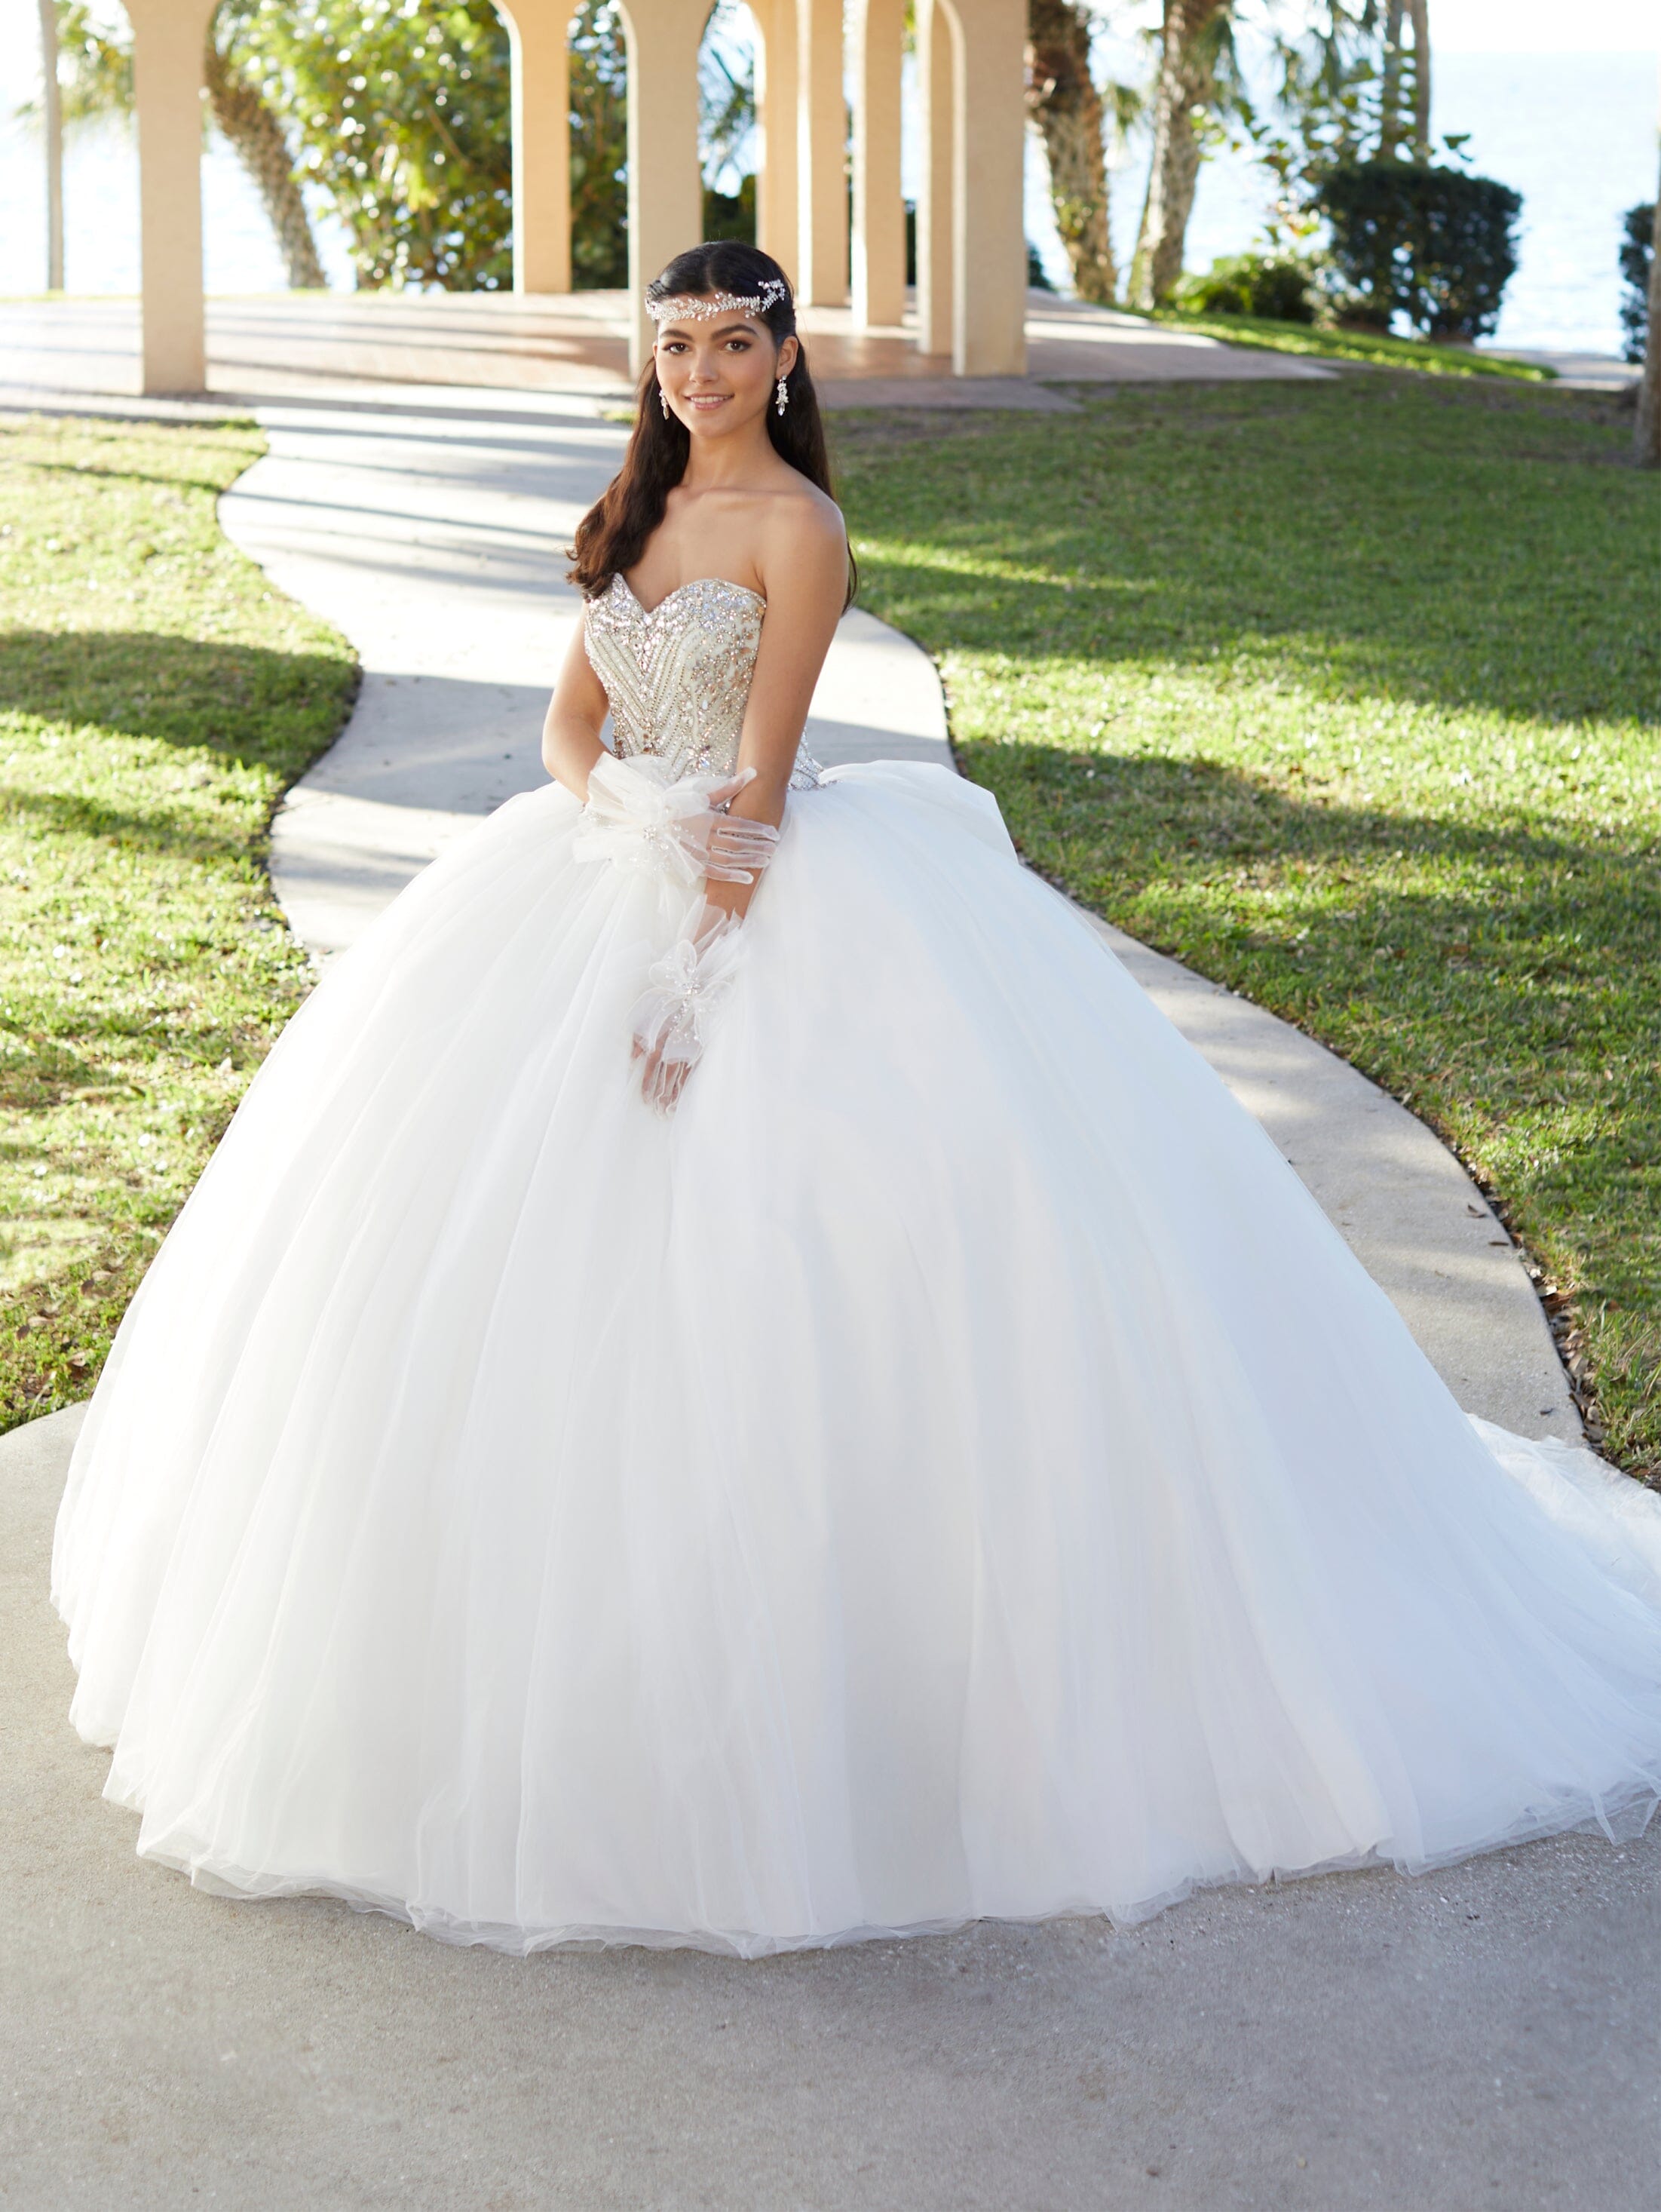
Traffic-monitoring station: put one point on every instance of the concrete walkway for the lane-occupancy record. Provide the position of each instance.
(1580, 372)
(1485, 2037)
(1481, 2038)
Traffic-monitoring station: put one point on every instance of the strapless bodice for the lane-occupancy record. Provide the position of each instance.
(678, 677)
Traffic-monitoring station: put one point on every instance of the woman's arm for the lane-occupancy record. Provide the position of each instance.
(576, 715)
(804, 572)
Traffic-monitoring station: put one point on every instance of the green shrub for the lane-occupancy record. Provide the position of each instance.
(1274, 287)
(1637, 250)
(1433, 246)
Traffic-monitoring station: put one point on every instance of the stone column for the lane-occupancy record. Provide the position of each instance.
(936, 88)
(665, 188)
(538, 31)
(776, 74)
(879, 212)
(168, 81)
(989, 321)
(821, 130)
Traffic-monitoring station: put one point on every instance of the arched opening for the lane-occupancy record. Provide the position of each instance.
(390, 136)
(598, 50)
(729, 129)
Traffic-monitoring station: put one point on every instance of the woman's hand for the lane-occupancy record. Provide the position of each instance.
(684, 994)
(643, 820)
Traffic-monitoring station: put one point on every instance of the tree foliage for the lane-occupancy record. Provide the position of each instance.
(1275, 286)
(400, 111)
(599, 147)
(1637, 251)
(1347, 89)
(95, 67)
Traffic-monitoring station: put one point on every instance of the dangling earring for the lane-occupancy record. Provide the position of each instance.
(781, 398)
(662, 401)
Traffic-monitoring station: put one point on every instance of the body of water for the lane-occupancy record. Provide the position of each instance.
(1574, 133)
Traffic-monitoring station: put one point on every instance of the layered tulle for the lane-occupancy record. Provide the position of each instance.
(950, 1468)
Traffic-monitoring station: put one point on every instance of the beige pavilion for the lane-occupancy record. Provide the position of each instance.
(971, 248)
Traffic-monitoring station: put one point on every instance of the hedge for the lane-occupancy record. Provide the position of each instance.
(1434, 246)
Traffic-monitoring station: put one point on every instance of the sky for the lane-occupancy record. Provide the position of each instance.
(1545, 27)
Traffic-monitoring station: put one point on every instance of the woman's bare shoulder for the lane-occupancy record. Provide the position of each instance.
(800, 514)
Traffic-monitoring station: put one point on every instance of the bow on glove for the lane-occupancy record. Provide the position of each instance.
(641, 819)
(686, 990)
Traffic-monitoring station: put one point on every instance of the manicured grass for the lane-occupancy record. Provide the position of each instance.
(1348, 695)
(156, 698)
(1377, 350)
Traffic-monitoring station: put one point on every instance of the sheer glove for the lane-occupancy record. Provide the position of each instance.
(641, 819)
(685, 992)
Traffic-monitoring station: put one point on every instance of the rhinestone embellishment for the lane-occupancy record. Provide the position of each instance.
(678, 677)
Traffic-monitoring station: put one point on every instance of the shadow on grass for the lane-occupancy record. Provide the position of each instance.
(1358, 634)
(1495, 974)
(211, 485)
(258, 707)
(1374, 538)
(177, 833)
(1189, 810)
(1506, 964)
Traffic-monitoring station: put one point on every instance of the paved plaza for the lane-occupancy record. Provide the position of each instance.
(575, 343)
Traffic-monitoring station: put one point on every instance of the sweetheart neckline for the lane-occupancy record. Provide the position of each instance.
(691, 584)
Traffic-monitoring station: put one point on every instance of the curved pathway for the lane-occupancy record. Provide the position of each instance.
(429, 527)
(1356, 2044)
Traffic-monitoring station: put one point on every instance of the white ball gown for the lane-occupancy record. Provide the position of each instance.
(950, 1469)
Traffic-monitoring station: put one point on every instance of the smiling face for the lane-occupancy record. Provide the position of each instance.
(719, 373)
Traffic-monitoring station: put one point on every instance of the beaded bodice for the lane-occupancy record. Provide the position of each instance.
(678, 677)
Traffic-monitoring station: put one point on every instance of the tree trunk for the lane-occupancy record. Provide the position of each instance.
(1647, 440)
(1186, 81)
(1390, 88)
(1062, 96)
(51, 118)
(249, 125)
(1419, 14)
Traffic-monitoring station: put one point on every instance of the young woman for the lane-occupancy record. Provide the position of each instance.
(733, 1383)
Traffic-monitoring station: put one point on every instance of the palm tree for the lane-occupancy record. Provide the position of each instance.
(1062, 99)
(1416, 14)
(1419, 16)
(251, 125)
(1195, 49)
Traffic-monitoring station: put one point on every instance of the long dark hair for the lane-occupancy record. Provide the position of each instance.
(612, 535)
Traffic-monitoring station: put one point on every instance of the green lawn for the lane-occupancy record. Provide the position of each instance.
(1348, 695)
(156, 698)
(1374, 349)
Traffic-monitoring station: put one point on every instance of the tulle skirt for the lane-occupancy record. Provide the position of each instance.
(950, 1468)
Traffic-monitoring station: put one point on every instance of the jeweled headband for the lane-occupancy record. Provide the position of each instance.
(704, 307)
